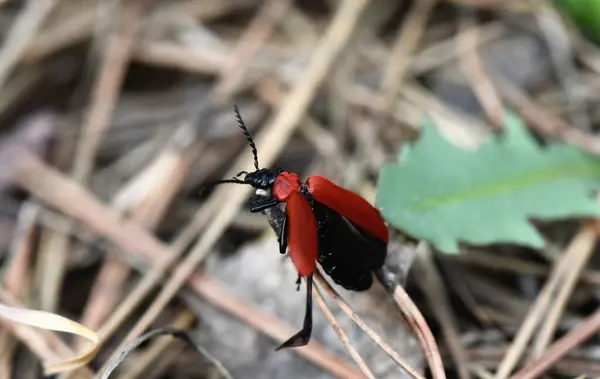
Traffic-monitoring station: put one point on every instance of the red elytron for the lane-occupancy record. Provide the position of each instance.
(323, 223)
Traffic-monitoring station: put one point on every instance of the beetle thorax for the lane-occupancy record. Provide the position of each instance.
(286, 183)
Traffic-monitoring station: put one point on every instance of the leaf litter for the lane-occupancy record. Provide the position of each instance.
(170, 63)
(51, 321)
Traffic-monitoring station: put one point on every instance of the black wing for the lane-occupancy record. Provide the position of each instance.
(347, 253)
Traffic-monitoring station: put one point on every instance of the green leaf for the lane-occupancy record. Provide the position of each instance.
(446, 195)
(585, 14)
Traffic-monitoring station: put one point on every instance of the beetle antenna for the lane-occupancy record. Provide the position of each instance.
(232, 180)
(210, 185)
(242, 126)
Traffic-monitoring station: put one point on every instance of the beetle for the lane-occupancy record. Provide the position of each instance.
(322, 223)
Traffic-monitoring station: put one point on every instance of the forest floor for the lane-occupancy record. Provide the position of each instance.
(115, 115)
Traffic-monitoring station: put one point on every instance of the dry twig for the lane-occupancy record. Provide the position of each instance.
(580, 252)
(370, 332)
(341, 335)
(431, 282)
(537, 312)
(407, 41)
(475, 72)
(24, 29)
(248, 45)
(418, 325)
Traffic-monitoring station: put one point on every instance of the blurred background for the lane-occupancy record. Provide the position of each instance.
(115, 113)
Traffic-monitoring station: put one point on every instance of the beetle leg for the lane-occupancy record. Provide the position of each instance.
(260, 203)
(303, 336)
(283, 234)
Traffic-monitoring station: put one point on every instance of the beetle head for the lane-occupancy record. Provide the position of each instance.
(261, 179)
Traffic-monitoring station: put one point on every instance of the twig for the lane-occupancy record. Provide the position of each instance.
(561, 56)
(7, 353)
(272, 139)
(176, 56)
(509, 5)
(183, 321)
(73, 200)
(51, 265)
(417, 323)
(78, 24)
(475, 72)
(270, 91)
(153, 190)
(341, 335)
(586, 329)
(35, 339)
(431, 282)
(15, 279)
(443, 52)
(105, 293)
(18, 87)
(106, 90)
(467, 131)
(407, 40)
(368, 330)
(580, 251)
(75, 26)
(369, 151)
(116, 56)
(516, 265)
(248, 45)
(151, 278)
(16, 276)
(24, 29)
(545, 122)
(173, 332)
(538, 310)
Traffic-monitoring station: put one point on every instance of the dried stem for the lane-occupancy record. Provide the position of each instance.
(417, 323)
(431, 283)
(540, 308)
(22, 32)
(341, 335)
(368, 330)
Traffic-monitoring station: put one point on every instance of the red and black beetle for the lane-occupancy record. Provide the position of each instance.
(323, 222)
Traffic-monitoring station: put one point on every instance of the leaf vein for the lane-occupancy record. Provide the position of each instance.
(520, 182)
